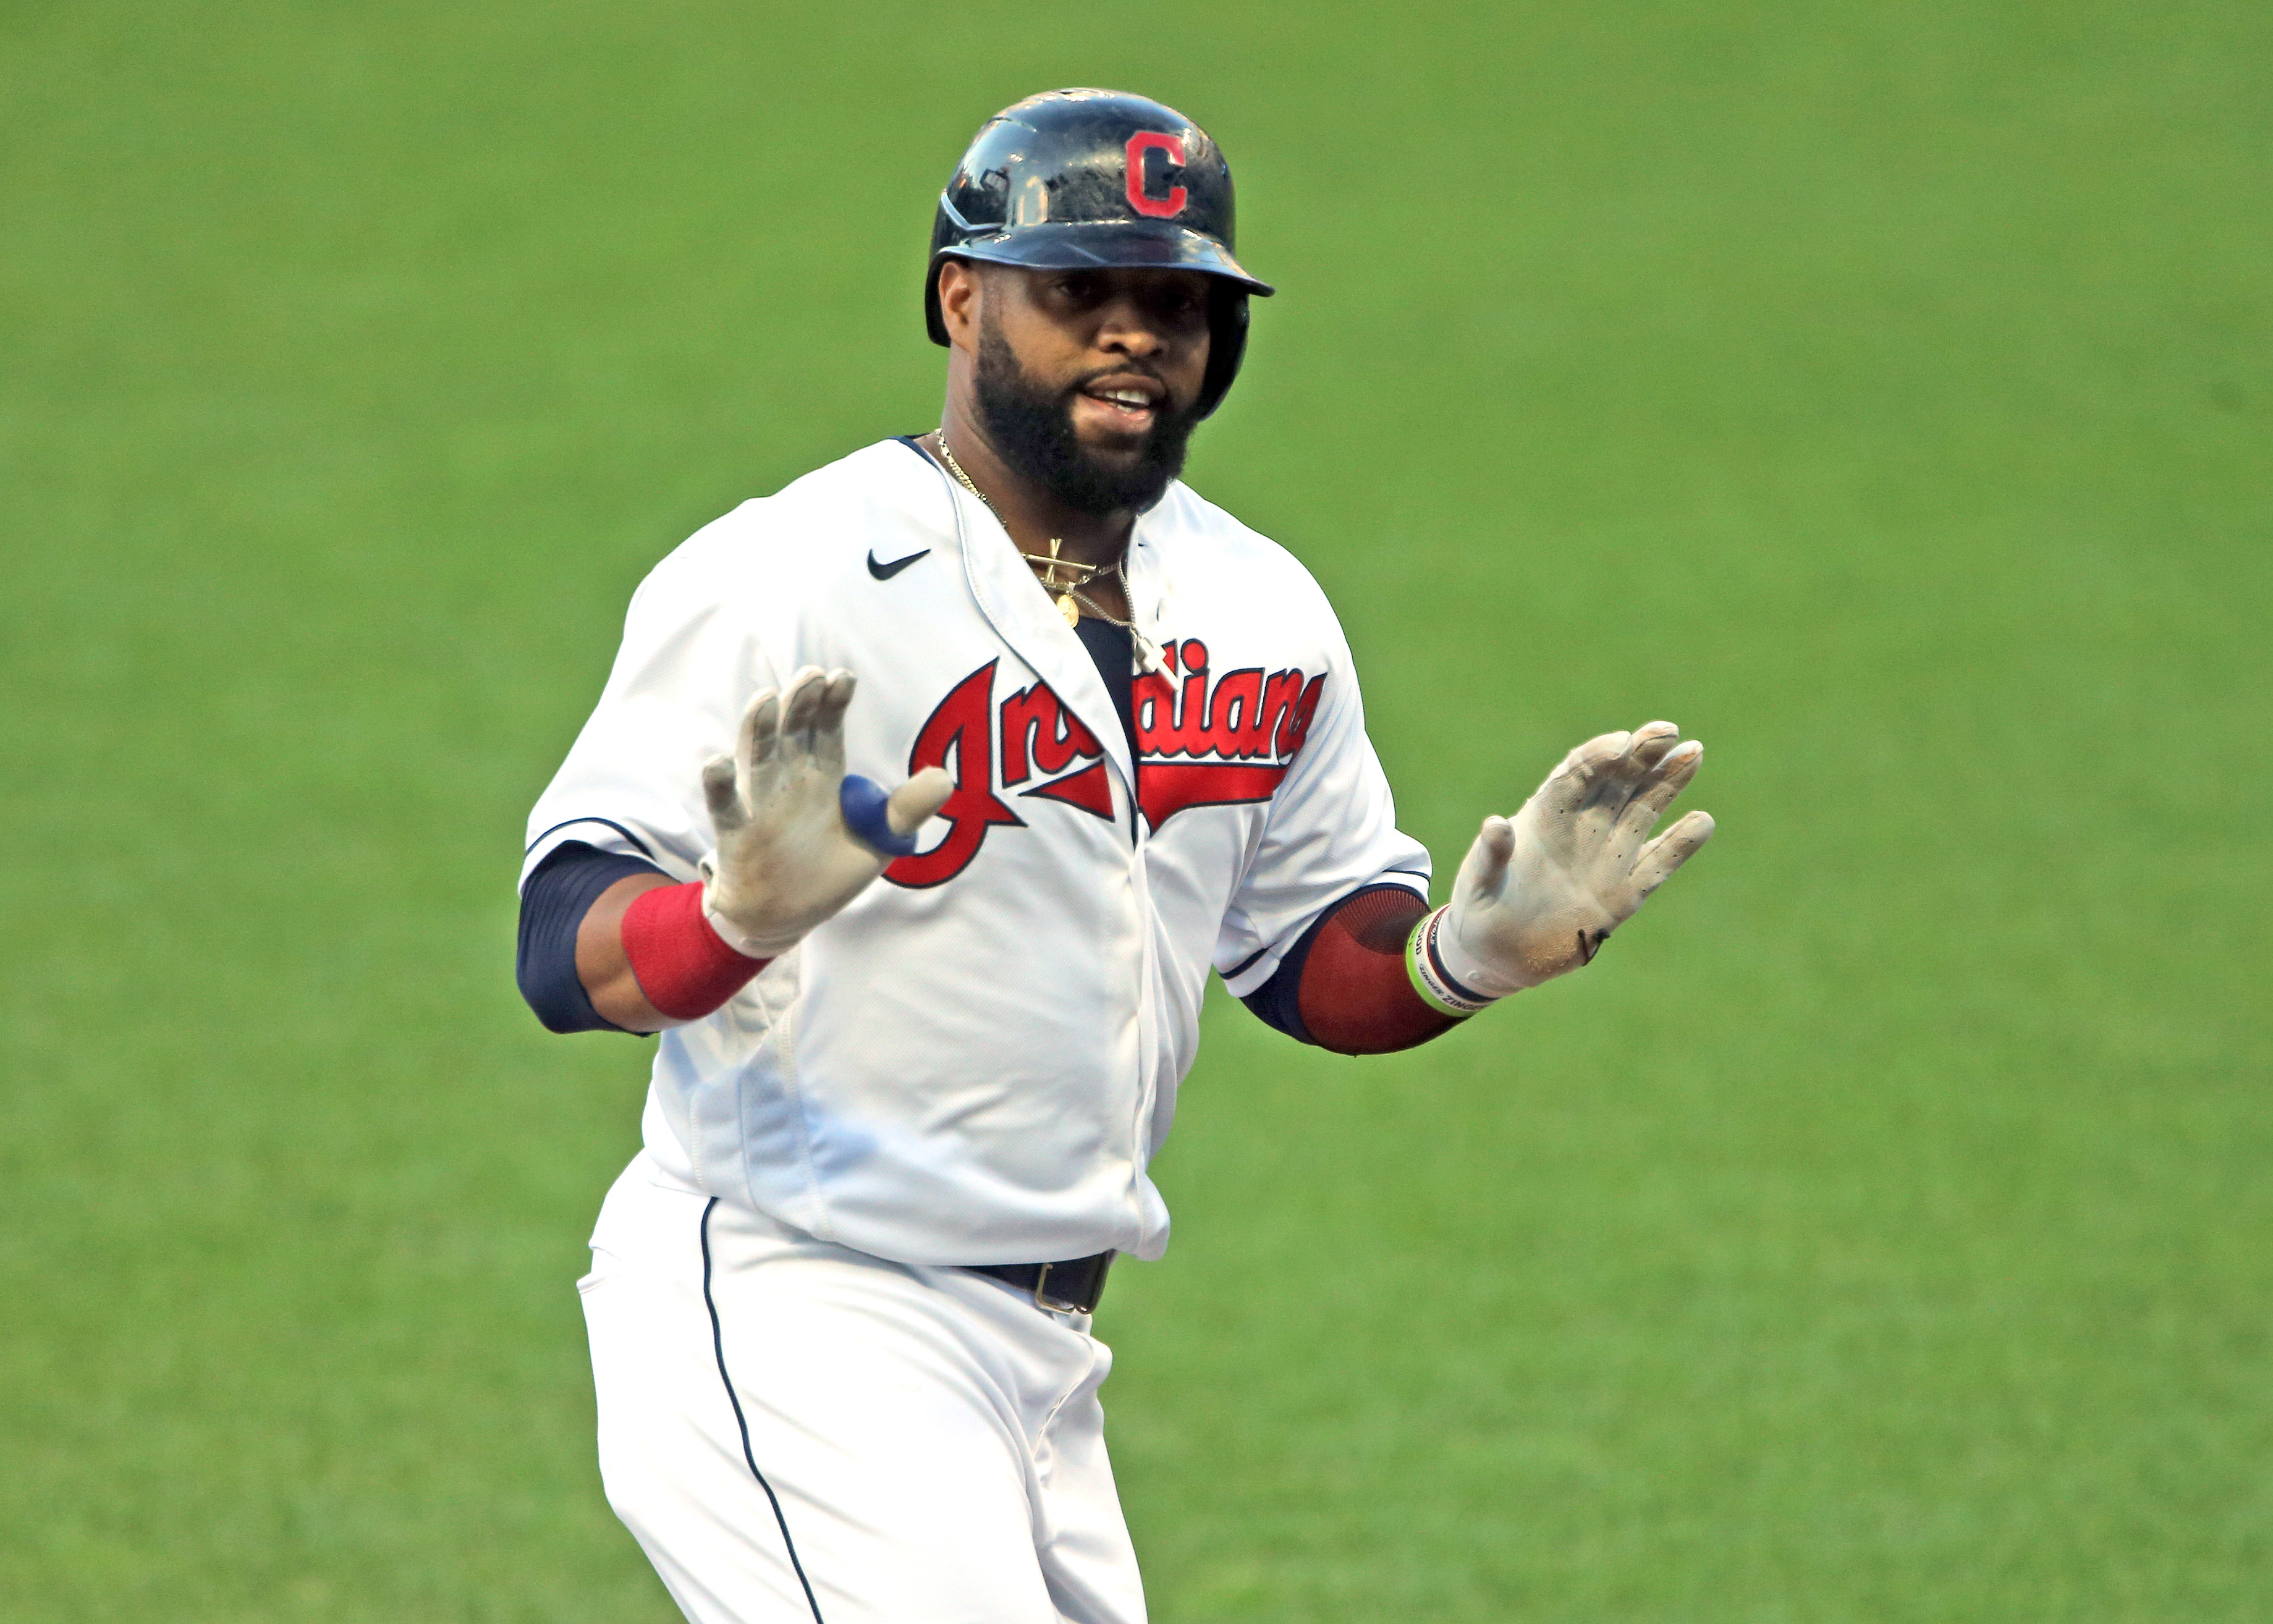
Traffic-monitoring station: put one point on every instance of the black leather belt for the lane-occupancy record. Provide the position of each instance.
(1064, 1288)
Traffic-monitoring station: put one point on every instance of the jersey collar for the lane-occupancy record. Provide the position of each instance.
(1022, 615)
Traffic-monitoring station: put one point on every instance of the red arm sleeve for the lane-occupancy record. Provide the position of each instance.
(1344, 986)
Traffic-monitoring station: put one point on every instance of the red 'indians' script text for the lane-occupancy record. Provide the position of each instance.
(1203, 739)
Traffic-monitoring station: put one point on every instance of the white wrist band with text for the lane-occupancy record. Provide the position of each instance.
(1438, 987)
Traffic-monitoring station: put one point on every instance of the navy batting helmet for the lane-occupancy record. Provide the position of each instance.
(1078, 179)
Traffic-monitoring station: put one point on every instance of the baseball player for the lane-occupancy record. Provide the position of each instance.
(922, 798)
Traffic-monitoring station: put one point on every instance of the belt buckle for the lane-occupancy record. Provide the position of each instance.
(1045, 1300)
(1053, 1304)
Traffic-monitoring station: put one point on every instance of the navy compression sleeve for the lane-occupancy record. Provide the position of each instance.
(552, 904)
(1343, 985)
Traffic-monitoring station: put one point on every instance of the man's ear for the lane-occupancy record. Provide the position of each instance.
(959, 294)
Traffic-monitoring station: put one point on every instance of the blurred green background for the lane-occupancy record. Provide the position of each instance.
(1881, 1232)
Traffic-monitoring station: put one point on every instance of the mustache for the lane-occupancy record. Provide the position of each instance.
(1032, 425)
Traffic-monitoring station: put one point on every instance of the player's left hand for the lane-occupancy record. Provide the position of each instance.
(1540, 892)
(798, 839)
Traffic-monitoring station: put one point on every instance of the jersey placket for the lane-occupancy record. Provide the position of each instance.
(1007, 595)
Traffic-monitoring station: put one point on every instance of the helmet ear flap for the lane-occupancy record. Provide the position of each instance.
(944, 236)
(1227, 344)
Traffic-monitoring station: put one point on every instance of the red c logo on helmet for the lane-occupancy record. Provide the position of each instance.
(1143, 201)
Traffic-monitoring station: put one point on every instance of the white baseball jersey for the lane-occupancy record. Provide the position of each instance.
(975, 1060)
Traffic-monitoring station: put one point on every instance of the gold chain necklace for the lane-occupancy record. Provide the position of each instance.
(1047, 567)
(1071, 600)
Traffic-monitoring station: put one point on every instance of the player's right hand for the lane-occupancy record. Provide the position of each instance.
(1540, 892)
(787, 858)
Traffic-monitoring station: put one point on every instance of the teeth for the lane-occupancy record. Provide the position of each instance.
(1127, 397)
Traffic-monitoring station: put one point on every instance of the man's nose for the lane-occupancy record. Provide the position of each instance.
(1128, 328)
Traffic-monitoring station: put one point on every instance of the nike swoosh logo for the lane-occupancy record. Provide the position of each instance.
(885, 572)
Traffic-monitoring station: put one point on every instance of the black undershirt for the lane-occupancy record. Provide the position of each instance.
(559, 892)
(1114, 655)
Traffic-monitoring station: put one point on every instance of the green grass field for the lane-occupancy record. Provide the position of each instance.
(1881, 1232)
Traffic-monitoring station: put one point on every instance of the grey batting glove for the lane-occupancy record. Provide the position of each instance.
(1539, 893)
(798, 839)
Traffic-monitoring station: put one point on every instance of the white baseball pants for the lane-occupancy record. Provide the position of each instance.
(798, 1433)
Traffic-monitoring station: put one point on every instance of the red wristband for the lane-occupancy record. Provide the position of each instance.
(680, 964)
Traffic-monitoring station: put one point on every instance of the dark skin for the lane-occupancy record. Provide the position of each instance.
(1079, 335)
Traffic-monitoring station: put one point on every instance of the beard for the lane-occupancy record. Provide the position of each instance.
(1032, 430)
